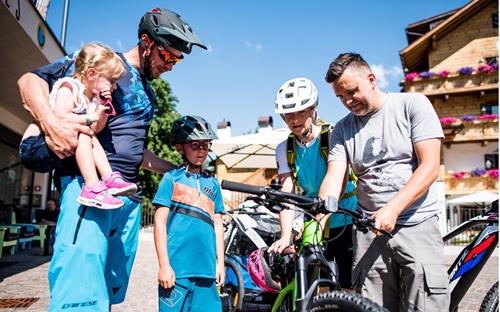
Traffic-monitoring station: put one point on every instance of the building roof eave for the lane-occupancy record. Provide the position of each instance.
(412, 54)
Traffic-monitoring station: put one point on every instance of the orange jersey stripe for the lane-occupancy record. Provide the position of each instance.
(187, 195)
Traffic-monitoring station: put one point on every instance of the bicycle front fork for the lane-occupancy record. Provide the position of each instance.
(305, 292)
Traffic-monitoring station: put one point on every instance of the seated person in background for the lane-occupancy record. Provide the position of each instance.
(51, 213)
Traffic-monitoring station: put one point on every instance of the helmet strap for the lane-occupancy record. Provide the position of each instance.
(304, 137)
(189, 164)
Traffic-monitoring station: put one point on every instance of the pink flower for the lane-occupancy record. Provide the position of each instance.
(448, 120)
(444, 73)
(493, 173)
(485, 68)
(411, 76)
(459, 175)
(488, 117)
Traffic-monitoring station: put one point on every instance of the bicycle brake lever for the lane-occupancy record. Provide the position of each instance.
(383, 232)
(276, 208)
(370, 223)
(361, 225)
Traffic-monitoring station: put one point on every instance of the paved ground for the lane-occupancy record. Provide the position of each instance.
(25, 275)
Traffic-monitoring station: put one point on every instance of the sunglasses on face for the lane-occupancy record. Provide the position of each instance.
(168, 57)
(197, 145)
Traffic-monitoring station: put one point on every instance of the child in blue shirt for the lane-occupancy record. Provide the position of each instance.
(188, 231)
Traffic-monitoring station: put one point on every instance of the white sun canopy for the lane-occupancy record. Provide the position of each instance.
(255, 150)
(479, 199)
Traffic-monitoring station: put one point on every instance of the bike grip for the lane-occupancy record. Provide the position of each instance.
(385, 233)
(244, 188)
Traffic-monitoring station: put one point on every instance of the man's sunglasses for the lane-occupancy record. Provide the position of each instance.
(196, 145)
(169, 57)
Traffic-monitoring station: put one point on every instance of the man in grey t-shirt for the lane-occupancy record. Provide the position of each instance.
(392, 141)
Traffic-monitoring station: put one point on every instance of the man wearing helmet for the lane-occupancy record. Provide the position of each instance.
(302, 162)
(101, 244)
(190, 246)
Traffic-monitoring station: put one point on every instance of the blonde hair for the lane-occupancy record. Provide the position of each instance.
(101, 58)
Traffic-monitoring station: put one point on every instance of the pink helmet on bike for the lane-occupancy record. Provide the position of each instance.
(260, 272)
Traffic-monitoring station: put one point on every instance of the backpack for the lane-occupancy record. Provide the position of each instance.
(324, 149)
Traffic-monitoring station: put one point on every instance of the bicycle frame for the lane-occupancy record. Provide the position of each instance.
(464, 270)
(309, 254)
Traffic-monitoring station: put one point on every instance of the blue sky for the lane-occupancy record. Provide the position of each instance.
(255, 46)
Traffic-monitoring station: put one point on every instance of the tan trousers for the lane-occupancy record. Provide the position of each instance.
(405, 273)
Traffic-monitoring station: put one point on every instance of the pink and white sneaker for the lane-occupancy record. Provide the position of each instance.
(117, 186)
(99, 197)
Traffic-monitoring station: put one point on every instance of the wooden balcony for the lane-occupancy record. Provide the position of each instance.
(441, 86)
(471, 131)
(470, 184)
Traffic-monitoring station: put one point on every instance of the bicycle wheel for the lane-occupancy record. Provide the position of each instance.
(343, 301)
(232, 295)
(490, 301)
(287, 305)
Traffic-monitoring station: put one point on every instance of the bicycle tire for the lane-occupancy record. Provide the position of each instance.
(490, 301)
(235, 293)
(344, 301)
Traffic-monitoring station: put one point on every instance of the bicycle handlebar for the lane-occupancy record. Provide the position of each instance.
(244, 188)
(329, 205)
(263, 190)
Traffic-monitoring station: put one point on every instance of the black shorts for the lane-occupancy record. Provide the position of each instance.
(36, 156)
(341, 250)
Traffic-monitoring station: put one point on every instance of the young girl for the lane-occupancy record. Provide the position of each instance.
(97, 68)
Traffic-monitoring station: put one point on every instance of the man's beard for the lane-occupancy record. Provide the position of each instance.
(147, 69)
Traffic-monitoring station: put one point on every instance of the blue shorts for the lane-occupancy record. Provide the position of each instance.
(36, 156)
(93, 252)
(190, 294)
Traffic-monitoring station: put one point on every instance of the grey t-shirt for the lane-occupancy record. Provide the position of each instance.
(379, 147)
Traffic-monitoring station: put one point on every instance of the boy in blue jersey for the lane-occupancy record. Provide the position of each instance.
(95, 249)
(302, 167)
(188, 231)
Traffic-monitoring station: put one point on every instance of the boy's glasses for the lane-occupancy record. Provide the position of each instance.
(196, 145)
(168, 57)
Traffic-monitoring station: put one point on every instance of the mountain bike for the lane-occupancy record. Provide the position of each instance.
(245, 228)
(466, 267)
(300, 289)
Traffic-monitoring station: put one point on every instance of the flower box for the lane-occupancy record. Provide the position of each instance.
(468, 184)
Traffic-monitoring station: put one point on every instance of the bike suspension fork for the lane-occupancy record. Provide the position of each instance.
(301, 283)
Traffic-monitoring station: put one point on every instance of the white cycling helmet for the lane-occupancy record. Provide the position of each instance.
(295, 95)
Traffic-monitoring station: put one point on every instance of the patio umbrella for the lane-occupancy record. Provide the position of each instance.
(479, 199)
(255, 150)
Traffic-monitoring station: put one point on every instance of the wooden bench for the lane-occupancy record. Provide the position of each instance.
(27, 234)
(8, 238)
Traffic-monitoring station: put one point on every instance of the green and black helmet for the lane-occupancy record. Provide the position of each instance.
(191, 128)
(166, 27)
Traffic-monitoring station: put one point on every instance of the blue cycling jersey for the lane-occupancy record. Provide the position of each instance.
(310, 168)
(193, 200)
